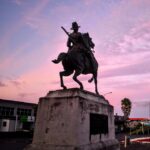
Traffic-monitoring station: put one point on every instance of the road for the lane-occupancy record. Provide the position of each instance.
(14, 143)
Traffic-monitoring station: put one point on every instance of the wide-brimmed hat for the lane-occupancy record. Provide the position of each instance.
(74, 25)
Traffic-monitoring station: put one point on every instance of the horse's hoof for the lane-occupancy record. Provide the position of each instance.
(97, 93)
(55, 61)
(64, 87)
(81, 88)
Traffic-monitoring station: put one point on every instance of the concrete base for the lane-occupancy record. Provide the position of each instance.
(105, 145)
(65, 122)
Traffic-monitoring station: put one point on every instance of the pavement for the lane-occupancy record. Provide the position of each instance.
(133, 146)
(21, 143)
(14, 143)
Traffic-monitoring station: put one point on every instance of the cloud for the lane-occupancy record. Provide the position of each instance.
(17, 83)
(137, 39)
(2, 84)
(26, 95)
(13, 57)
(114, 32)
(89, 2)
(133, 69)
(40, 24)
(28, 13)
(129, 56)
(141, 104)
(128, 82)
(141, 2)
(18, 2)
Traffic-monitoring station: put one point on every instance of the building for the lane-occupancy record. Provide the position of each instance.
(119, 123)
(16, 116)
(139, 119)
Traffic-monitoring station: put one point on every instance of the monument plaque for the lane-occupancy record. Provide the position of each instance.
(98, 124)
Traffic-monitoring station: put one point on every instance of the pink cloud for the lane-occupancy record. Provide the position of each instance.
(2, 84)
(26, 95)
(17, 83)
(9, 60)
(141, 2)
(37, 81)
(138, 38)
(40, 24)
(90, 2)
(32, 12)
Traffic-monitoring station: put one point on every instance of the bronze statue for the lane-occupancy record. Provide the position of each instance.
(79, 58)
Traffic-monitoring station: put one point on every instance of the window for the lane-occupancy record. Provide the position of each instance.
(24, 112)
(6, 111)
(4, 124)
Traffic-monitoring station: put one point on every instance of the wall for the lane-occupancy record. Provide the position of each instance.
(4, 125)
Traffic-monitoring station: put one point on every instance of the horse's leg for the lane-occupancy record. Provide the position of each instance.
(64, 73)
(60, 57)
(95, 81)
(77, 73)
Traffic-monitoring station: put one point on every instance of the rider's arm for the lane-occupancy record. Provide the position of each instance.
(69, 43)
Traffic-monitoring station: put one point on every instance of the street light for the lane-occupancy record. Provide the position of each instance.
(107, 93)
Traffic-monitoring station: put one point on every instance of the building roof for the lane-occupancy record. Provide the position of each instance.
(16, 102)
(138, 119)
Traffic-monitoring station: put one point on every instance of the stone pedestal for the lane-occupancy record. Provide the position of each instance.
(74, 120)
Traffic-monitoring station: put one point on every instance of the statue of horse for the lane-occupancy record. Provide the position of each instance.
(78, 62)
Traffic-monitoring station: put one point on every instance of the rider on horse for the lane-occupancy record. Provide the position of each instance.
(77, 43)
(79, 59)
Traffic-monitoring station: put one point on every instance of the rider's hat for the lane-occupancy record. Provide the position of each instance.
(75, 26)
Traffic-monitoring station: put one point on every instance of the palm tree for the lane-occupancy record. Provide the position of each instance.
(126, 106)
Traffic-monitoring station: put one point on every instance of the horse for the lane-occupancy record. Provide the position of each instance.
(78, 62)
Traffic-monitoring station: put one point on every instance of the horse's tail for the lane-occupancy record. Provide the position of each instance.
(60, 57)
(90, 80)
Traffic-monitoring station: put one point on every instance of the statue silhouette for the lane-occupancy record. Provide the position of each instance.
(79, 59)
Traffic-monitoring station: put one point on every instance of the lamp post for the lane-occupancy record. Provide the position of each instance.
(107, 93)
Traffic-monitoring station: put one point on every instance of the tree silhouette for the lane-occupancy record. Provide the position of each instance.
(126, 106)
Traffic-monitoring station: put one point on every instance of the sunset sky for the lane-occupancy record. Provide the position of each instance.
(30, 37)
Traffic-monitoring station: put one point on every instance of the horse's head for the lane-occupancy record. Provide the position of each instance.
(88, 40)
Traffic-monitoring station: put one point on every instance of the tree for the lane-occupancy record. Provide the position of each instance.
(126, 106)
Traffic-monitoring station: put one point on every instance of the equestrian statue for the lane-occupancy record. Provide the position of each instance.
(80, 58)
